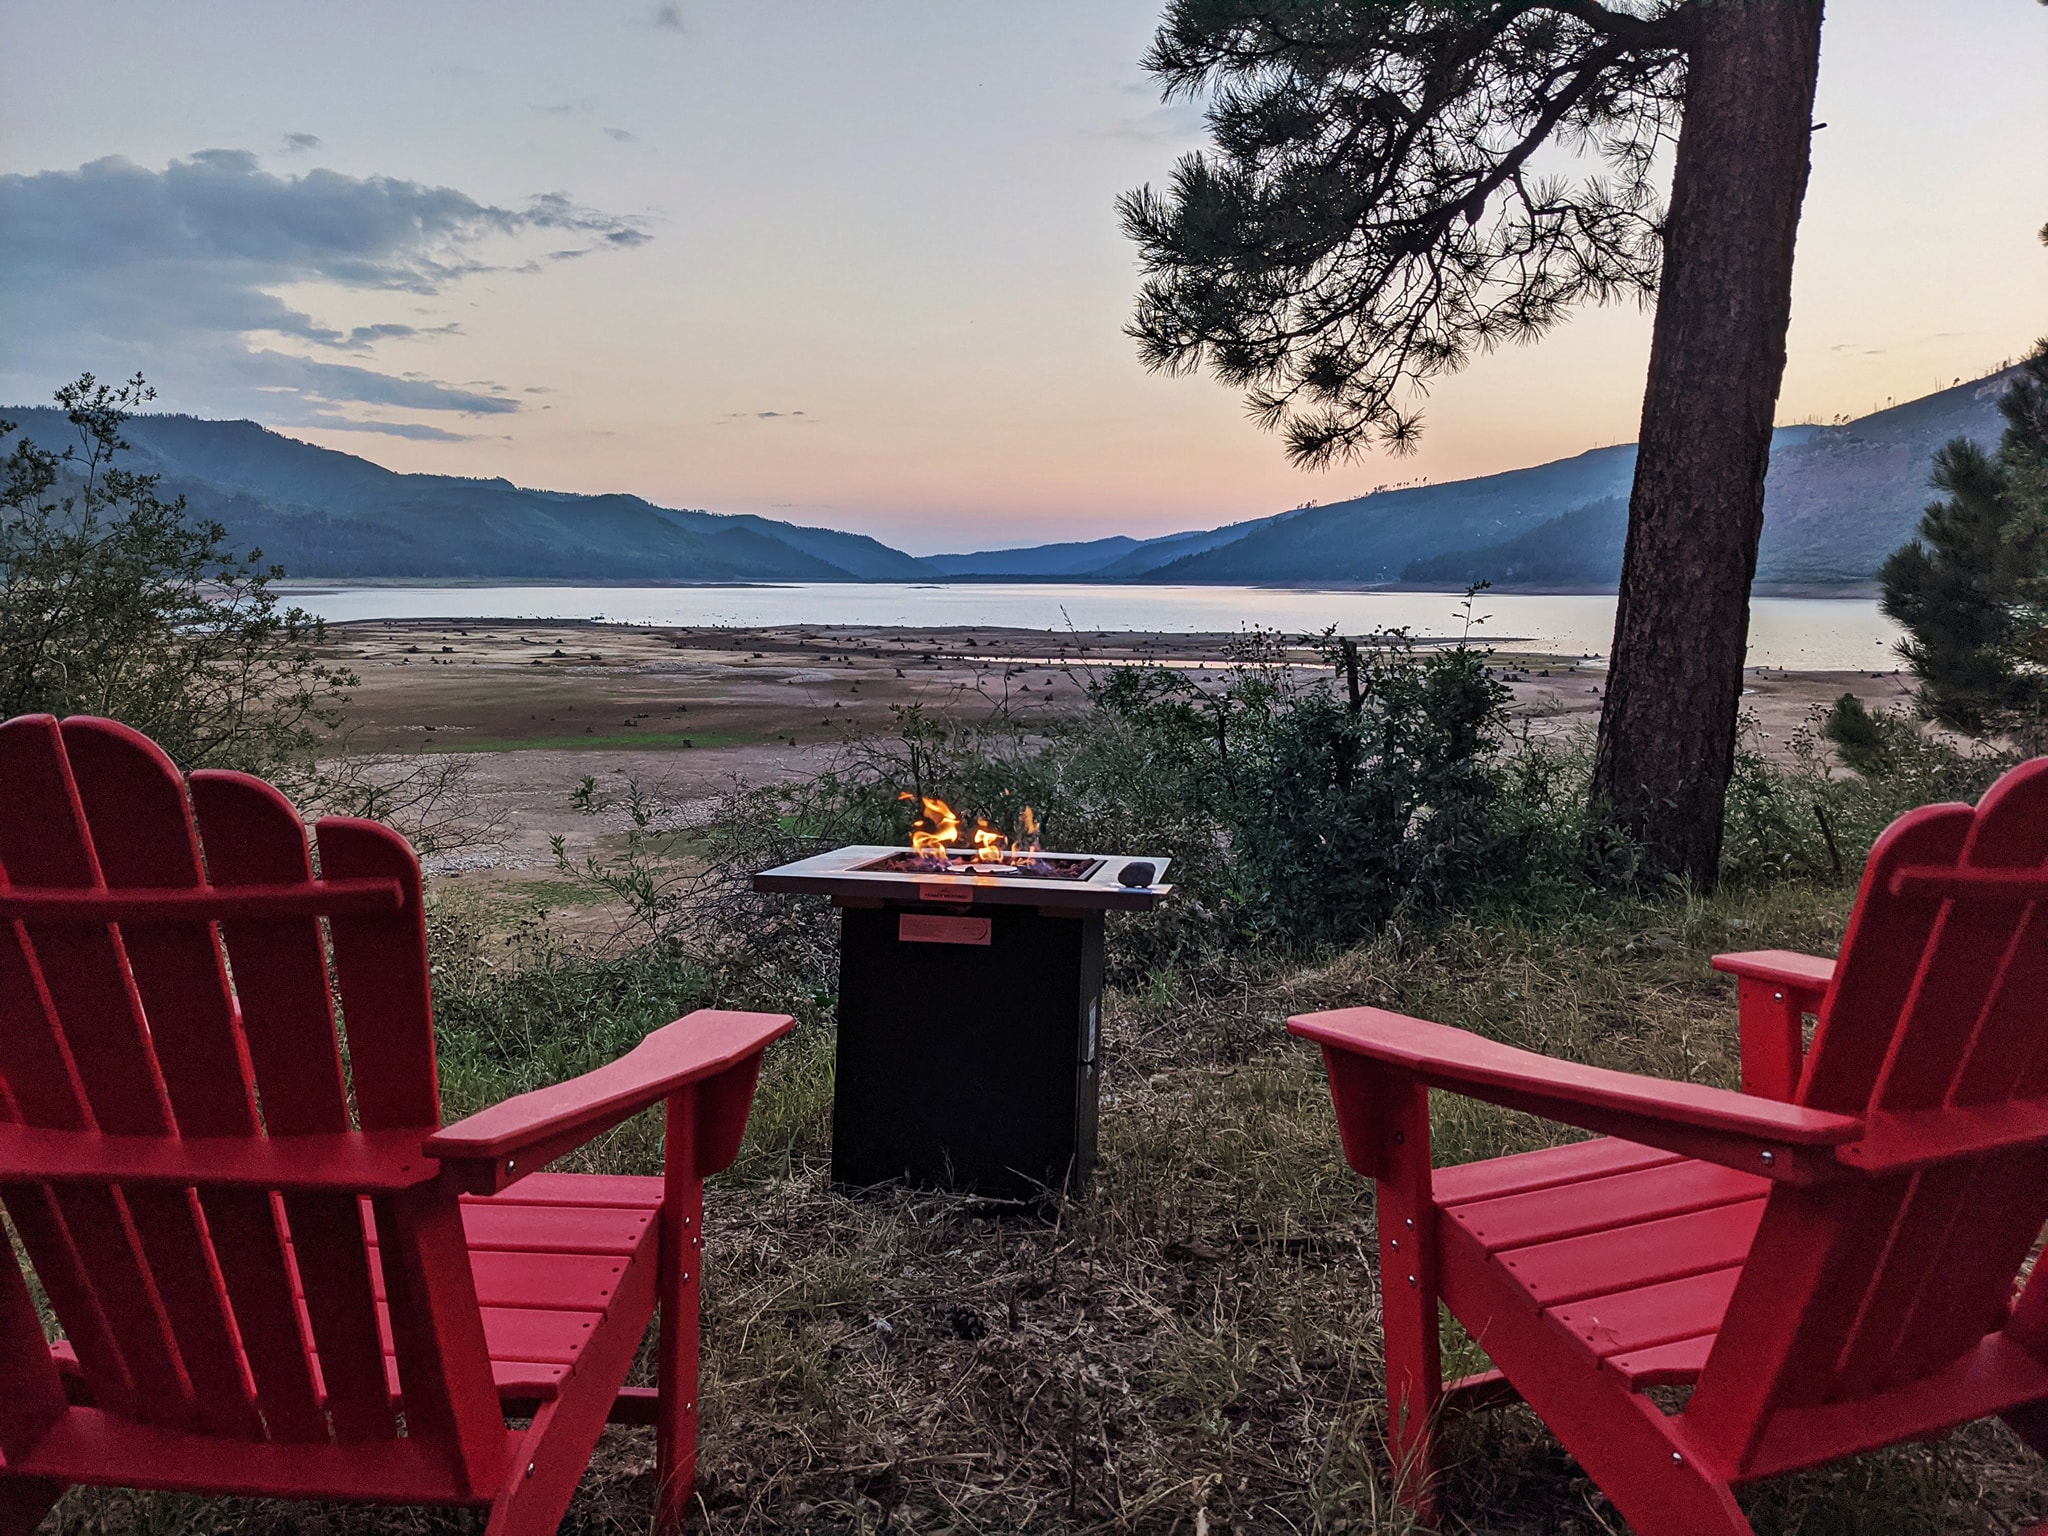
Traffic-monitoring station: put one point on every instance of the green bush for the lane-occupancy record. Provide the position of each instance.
(114, 602)
(519, 1011)
(1803, 819)
(1325, 804)
(1302, 806)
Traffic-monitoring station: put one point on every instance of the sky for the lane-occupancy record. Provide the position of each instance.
(851, 265)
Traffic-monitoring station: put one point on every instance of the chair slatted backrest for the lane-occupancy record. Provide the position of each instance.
(1935, 1004)
(183, 1305)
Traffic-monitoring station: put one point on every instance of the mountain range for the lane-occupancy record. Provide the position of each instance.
(1839, 498)
(320, 513)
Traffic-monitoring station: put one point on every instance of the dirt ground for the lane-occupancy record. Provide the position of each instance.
(542, 706)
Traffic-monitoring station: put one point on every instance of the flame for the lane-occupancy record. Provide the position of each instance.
(936, 833)
(938, 826)
(990, 846)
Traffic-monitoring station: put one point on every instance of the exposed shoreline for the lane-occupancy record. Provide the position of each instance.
(1864, 591)
(540, 706)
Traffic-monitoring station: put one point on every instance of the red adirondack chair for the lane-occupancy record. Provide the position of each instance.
(1832, 1260)
(274, 1271)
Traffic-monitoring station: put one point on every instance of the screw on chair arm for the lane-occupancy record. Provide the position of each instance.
(500, 1145)
(1775, 990)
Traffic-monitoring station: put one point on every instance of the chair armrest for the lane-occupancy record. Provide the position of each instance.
(1805, 974)
(1762, 1136)
(495, 1146)
(1775, 989)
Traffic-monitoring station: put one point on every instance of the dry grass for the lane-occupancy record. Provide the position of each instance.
(1193, 1348)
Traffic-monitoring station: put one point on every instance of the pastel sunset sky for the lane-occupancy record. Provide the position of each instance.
(851, 264)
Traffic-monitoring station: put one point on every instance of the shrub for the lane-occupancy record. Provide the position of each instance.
(1802, 819)
(113, 602)
(1327, 802)
(1302, 807)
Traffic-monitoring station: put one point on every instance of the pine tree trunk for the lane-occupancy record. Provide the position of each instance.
(1717, 357)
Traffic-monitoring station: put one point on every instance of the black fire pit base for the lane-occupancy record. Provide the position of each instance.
(968, 1043)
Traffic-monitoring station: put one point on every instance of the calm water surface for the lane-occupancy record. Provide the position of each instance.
(1802, 633)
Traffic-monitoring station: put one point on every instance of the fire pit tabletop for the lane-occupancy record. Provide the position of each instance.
(841, 875)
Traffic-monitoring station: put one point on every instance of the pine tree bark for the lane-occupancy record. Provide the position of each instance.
(1717, 357)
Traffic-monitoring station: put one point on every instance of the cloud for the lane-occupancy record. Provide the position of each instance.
(623, 135)
(179, 271)
(365, 336)
(337, 382)
(668, 17)
(416, 431)
(1174, 122)
(300, 143)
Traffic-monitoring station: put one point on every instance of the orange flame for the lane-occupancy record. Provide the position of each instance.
(938, 826)
(937, 830)
(990, 846)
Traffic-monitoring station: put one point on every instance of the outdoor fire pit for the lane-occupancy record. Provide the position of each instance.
(970, 1009)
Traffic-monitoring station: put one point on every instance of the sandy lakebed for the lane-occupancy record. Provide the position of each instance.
(687, 711)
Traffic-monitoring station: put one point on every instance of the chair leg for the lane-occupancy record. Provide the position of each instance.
(2030, 1422)
(24, 1501)
(31, 1398)
(549, 1458)
(2029, 1327)
(682, 1261)
(1408, 1291)
(1679, 1506)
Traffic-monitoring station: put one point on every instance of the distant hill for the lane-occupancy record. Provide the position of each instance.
(1111, 559)
(1375, 538)
(1039, 561)
(320, 513)
(1581, 548)
(1840, 498)
(1845, 497)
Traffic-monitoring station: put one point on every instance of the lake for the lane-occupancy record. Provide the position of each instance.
(1800, 633)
